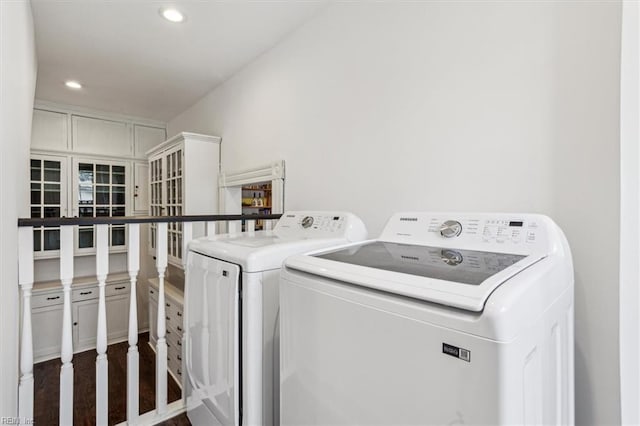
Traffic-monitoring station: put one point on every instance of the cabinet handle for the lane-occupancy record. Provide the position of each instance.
(168, 331)
(179, 328)
(84, 293)
(179, 358)
(121, 288)
(167, 305)
(53, 298)
(168, 319)
(75, 323)
(179, 372)
(179, 343)
(179, 313)
(168, 345)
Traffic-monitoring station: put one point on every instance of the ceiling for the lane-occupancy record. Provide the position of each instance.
(132, 61)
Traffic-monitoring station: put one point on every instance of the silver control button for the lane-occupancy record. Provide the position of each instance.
(450, 229)
(307, 221)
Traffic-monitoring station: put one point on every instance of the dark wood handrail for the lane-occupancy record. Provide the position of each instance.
(65, 221)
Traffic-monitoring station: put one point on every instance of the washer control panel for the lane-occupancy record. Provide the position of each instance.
(484, 231)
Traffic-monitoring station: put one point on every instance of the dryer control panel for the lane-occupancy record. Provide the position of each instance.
(321, 224)
(504, 232)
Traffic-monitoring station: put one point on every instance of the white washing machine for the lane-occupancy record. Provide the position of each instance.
(231, 308)
(446, 319)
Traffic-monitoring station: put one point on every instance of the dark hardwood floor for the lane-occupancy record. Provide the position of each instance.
(47, 386)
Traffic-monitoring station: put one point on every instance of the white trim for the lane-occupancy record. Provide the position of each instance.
(179, 137)
(92, 113)
(265, 173)
(630, 215)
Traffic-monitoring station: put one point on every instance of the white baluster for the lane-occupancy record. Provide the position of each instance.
(211, 229)
(25, 279)
(161, 343)
(66, 353)
(234, 226)
(133, 369)
(187, 235)
(102, 368)
(251, 226)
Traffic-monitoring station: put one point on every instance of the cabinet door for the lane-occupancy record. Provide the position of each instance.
(141, 188)
(102, 137)
(49, 130)
(85, 324)
(117, 317)
(145, 138)
(48, 198)
(47, 332)
(101, 188)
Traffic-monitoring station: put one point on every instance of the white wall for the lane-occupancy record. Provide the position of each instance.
(17, 88)
(493, 106)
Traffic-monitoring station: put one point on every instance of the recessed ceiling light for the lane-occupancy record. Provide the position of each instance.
(172, 15)
(73, 84)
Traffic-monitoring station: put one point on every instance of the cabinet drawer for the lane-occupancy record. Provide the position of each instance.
(84, 294)
(47, 299)
(117, 289)
(176, 368)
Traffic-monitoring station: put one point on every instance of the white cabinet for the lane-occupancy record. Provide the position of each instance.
(140, 188)
(48, 198)
(47, 313)
(183, 179)
(100, 189)
(85, 324)
(146, 138)
(101, 137)
(174, 300)
(49, 130)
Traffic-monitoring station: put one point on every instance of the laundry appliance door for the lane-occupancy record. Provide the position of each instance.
(213, 335)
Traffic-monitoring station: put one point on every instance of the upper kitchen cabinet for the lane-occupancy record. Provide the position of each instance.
(101, 137)
(49, 131)
(146, 138)
(183, 180)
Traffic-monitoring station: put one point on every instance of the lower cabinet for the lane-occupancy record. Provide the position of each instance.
(174, 325)
(47, 314)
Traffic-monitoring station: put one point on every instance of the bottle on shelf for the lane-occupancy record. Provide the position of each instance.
(254, 201)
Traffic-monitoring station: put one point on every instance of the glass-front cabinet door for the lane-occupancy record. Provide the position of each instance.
(48, 197)
(166, 178)
(101, 191)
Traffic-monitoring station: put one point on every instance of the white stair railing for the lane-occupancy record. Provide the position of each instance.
(161, 342)
(133, 368)
(187, 235)
(102, 366)
(25, 280)
(66, 353)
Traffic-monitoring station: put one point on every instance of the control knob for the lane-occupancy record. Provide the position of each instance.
(307, 221)
(450, 229)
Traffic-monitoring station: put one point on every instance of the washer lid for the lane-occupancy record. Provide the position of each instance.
(459, 278)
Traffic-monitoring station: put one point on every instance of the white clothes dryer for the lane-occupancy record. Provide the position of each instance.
(230, 315)
(445, 319)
